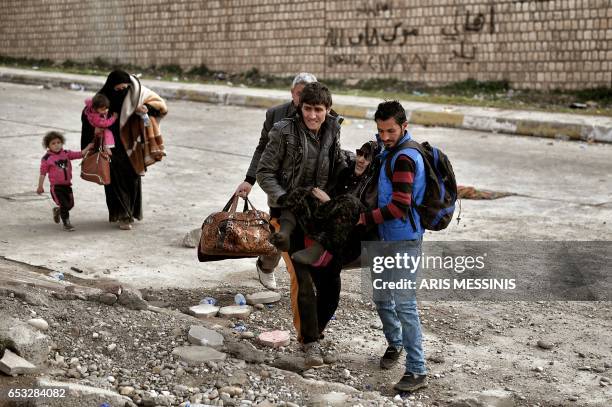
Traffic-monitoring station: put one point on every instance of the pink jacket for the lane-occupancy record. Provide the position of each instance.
(58, 166)
(101, 121)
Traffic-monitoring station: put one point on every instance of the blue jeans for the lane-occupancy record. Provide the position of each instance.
(397, 309)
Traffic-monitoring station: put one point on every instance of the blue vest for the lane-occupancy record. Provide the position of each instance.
(401, 229)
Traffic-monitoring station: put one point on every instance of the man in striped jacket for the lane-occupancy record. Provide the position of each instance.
(398, 221)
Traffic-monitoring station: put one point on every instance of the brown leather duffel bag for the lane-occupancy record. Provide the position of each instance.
(95, 167)
(234, 234)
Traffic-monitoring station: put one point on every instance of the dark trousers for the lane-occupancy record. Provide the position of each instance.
(315, 293)
(62, 196)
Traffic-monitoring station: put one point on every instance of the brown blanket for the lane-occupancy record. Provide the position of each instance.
(144, 145)
(466, 192)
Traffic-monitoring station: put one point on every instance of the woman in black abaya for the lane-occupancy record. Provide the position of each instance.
(124, 193)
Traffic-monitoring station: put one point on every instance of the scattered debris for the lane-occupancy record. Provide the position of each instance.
(199, 335)
(275, 339)
(263, 297)
(204, 311)
(13, 365)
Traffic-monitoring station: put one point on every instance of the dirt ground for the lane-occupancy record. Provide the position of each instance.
(478, 352)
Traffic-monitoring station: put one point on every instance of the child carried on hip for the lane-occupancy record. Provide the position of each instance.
(96, 111)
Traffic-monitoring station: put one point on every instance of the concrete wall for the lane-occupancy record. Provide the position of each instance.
(543, 44)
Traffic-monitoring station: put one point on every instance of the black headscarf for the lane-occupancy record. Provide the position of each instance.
(369, 150)
(116, 96)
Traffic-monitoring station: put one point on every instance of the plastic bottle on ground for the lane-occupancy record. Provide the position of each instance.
(57, 275)
(208, 300)
(239, 299)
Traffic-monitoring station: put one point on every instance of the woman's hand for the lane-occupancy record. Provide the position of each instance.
(320, 195)
(98, 132)
(40, 190)
(142, 109)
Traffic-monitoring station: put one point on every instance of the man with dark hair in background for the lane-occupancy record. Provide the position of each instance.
(304, 151)
(266, 264)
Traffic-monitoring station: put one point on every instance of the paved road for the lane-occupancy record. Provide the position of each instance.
(565, 189)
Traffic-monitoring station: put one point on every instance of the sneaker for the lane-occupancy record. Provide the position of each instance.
(56, 215)
(68, 226)
(268, 280)
(312, 355)
(390, 357)
(411, 382)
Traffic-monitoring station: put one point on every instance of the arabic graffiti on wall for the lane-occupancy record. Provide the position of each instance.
(370, 36)
(466, 24)
(380, 62)
(376, 9)
(375, 45)
(377, 39)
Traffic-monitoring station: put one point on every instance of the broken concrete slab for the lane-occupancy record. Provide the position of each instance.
(13, 364)
(330, 399)
(263, 297)
(66, 296)
(204, 311)
(231, 390)
(245, 351)
(236, 311)
(31, 298)
(489, 398)
(107, 298)
(192, 239)
(109, 286)
(26, 340)
(78, 395)
(289, 362)
(195, 355)
(199, 335)
(132, 298)
(39, 323)
(274, 339)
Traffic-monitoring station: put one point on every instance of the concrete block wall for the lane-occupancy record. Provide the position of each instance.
(537, 44)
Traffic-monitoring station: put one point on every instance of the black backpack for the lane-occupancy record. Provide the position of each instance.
(436, 210)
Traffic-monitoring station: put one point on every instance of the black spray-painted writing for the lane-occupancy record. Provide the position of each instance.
(373, 9)
(378, 63)
(370, 36)
(469, 24)
(466, 23)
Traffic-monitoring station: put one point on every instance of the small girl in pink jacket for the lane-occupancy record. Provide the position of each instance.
(96, 110)
(56, 163)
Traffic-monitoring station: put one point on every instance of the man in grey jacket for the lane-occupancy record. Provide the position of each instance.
(266, 264)
(303, 151)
